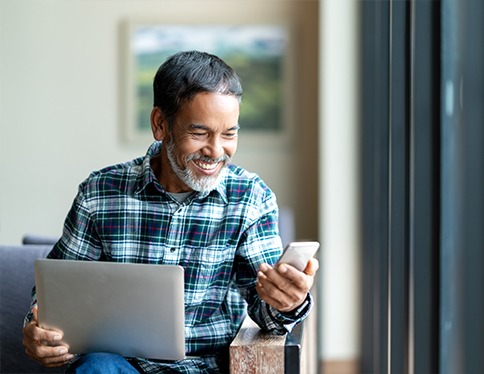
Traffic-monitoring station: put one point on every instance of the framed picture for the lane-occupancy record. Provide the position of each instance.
(260, 55)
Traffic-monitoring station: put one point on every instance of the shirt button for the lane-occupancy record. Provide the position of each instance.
(172, 249)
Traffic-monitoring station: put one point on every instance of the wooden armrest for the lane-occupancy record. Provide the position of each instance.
(254, 351)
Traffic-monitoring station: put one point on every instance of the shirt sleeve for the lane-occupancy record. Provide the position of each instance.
(80, 239)
(262, 244)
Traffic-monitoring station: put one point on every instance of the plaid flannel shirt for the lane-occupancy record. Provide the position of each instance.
(122, 214)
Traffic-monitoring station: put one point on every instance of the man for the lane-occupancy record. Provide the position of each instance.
(185, 204)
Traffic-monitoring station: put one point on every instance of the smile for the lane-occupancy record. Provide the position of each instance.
(206, 165)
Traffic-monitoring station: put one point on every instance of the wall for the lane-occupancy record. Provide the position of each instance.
(60, 114)
(339, 213)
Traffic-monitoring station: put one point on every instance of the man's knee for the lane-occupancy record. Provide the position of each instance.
(101, 363)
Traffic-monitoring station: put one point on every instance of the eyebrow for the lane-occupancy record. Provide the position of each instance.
(196, 126)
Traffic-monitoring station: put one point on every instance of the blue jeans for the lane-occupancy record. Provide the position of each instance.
(105, 363)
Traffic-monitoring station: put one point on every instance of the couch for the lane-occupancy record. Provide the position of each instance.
(16, 281)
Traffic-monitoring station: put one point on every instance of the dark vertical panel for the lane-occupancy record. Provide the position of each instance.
(452, 148)
(424, 187)
(401, 186)
(462, 320)
(424, 206)
(399, 194)
(375, 148)
(473, 185)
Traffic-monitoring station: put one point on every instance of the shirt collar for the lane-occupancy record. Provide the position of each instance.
(148, 176)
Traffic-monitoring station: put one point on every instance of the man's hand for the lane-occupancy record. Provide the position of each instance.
(44, 346)
(285, 287)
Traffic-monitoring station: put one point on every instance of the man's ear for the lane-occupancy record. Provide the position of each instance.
(159, 124)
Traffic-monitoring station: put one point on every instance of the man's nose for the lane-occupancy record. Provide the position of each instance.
(214, 147)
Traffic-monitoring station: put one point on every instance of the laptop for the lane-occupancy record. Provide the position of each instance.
(135, 310)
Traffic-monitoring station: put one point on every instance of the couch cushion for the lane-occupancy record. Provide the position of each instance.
(16, 281)
(39, 239)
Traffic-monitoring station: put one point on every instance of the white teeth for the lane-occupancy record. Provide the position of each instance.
(205, 166)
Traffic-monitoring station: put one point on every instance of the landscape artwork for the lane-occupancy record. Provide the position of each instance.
(257, 54)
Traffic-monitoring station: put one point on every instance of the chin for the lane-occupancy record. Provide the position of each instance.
(204, 183)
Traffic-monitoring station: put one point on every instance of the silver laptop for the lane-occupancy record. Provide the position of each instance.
(135, 310)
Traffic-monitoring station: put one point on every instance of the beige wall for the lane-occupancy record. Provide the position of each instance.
(60, 114)
(339, 185)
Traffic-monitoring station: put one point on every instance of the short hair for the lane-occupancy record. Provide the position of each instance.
(186, 74)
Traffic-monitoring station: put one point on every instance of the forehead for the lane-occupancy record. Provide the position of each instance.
(210, 108)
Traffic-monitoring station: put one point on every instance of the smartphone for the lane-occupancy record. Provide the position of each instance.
(298, 254)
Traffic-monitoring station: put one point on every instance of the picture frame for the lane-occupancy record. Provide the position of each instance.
(260, 54)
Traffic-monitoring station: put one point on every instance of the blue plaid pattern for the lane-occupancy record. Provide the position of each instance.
(122, 214)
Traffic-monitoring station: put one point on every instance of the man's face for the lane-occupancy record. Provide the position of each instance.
(202, 141)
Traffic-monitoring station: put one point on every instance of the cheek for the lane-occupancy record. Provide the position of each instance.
(185, 150)
(231, 148)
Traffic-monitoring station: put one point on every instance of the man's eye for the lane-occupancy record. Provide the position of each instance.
(231, 134)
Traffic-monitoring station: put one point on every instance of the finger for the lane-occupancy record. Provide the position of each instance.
(291, 277)
(279, 288)
(44, 346)
(292, 283)
(39, 349)
(303, 280)
(312, 267)
(285, 286)
(265, 267)
(54, 362)
(280, 301)
(35, 312)
(271, 277)
(289, 272)
(276, 299)
(50, 356)
(43, 334)
(293, 273)
(35, 333)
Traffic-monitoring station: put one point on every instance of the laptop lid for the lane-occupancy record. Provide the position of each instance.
(135, 310)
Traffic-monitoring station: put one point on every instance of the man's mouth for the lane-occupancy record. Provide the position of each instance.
(208, 166)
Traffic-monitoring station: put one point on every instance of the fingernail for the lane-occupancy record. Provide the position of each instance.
(62, 351)
(282, 268)
(264, 267)
(57, 337)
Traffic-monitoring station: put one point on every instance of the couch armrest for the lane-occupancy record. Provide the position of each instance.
(255, 352)
(16, 282)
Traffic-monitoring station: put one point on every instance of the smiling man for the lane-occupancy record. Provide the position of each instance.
(185, 204)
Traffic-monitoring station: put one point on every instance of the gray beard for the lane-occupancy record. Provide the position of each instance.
(200, 184)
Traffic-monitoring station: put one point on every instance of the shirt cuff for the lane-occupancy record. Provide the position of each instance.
(29, 317)
(292, 318)
(301, 311)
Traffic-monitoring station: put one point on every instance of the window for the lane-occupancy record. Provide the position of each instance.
(423, 186)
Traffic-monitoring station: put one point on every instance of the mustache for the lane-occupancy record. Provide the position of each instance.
(224, 158)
